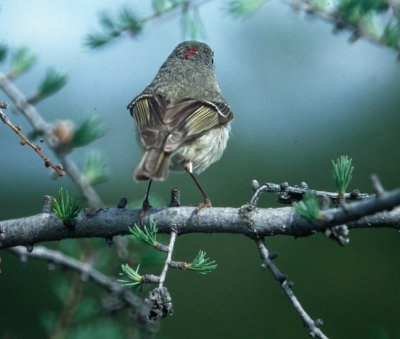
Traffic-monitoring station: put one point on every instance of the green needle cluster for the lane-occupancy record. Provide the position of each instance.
(147, 236)
(308, 208)
(342, 173)
(201, 264)
(65, 207)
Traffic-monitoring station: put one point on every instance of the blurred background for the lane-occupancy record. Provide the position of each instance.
(301, 96)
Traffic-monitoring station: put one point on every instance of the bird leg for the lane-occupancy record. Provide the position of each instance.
(207, 201)
(146, 204)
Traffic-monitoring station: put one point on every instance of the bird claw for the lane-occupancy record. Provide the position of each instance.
(145, 207)
(205, 204)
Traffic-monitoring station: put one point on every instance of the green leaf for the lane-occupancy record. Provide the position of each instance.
(148, 235)
(97, 40)
(201, 264)
(342, 173)
(65, 207)
(159, 5)
(356, 10)
(192, 25)
(162, 6)
(111, 29)
(3, 52)
(134, 279)
(21, 61)
(318, 5)
(391, 34)
(369, 25)
(95, 170)
(52, 83)
(373, 5)
(308, 208)
(89, 130)
(107, 22)
(129, 21)
(244, 9)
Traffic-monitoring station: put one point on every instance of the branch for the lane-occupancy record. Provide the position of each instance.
(168, 260)
(128, 22)
(87, 273)
(247, 220)
(25, 140)
(46, 129)
(288, 194)
(286, 286)
(341, 22)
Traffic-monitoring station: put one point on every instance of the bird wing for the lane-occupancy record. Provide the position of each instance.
(167, 125)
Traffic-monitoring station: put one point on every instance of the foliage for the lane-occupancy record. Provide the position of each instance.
(3, 52)
(89, 130)
(201, 264)
(21, 61)
(134, 278)
(86, 321)
(376, 20)
(342, 173)
(192, 25)
(362, 15)
(52, 83)
(244, 9)
(309, 207)
(65, 207)
(148, 235)
(95, 170)
(113, 27)
(391, 34)
(127, 21)
(161, 6)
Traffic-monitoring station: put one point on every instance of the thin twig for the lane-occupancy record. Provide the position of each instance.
(287, 289)
(25, 141)
(87, 272)
(377, 185)
(289, 194)
(44, 128)
(183, 6)
(163, 274)
(339, 22)
(72, 299)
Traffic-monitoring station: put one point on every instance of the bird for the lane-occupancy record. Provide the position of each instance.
(183, 122)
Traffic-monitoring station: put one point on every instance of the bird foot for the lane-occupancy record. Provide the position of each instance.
(205, 204)
(145, 207)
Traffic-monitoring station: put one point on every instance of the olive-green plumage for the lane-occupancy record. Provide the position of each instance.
(182, 118)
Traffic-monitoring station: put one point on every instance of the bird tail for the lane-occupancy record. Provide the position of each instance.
(154, 165)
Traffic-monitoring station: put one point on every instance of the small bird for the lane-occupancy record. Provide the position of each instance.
(183, 121)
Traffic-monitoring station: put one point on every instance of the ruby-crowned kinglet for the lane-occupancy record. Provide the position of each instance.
(182, 118)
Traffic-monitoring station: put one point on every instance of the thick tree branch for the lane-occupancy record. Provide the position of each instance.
(247, 220)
